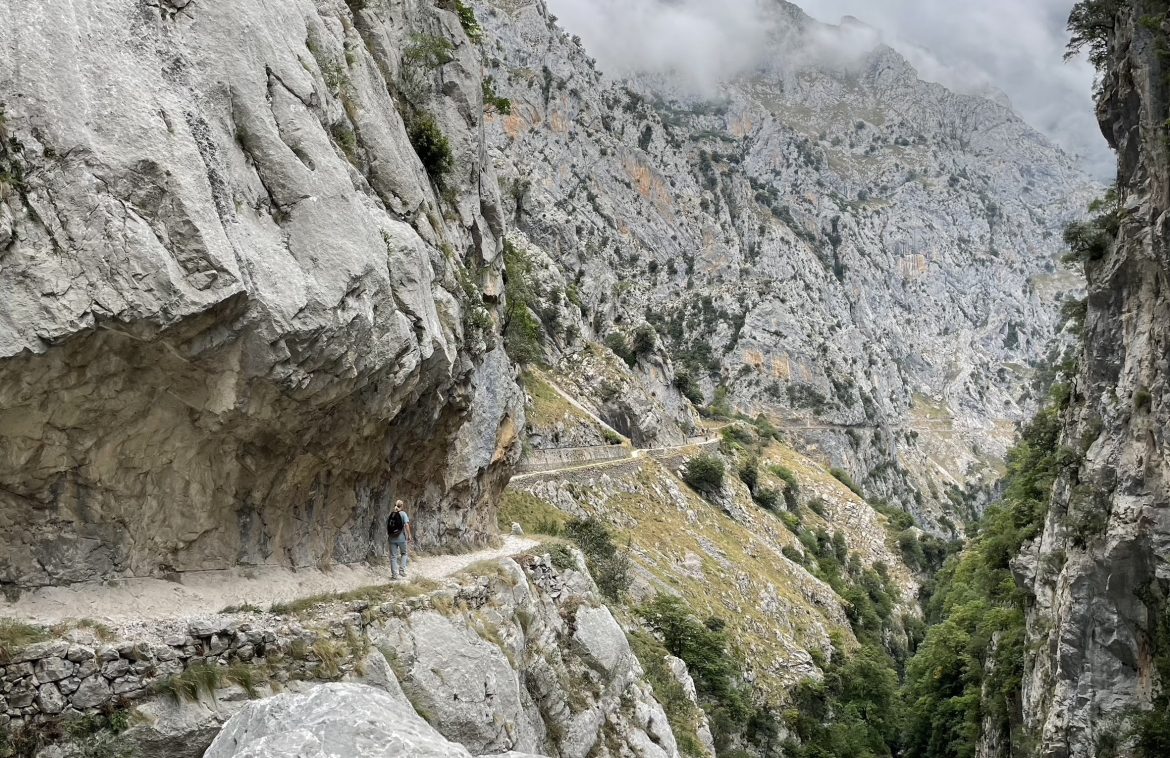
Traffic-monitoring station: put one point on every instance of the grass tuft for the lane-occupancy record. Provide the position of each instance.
(15, 635)
(249, 678)
(331, 655)
(379, 593)
(196, 681)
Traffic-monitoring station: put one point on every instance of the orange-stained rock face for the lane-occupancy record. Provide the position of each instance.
(649, 183)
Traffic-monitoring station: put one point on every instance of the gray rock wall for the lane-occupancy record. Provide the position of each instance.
(1099, 568)
(237, 318)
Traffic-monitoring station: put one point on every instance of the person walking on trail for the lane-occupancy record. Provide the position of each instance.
(400, 532)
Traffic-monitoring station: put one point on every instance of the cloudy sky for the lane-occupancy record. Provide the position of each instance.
(1015, 46)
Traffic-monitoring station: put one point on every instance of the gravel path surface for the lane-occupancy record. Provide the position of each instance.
(197, 594)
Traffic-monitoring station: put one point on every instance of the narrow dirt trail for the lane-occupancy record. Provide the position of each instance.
(202, 593)
(635, 453)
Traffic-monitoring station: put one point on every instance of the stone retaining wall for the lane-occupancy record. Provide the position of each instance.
(64, 679)
(548, 459)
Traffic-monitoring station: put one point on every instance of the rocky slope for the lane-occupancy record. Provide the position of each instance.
(832, 242)
(237, 316)
(725, 555)
(1099, 621)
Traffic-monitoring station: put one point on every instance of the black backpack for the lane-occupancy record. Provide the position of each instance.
(395, 525)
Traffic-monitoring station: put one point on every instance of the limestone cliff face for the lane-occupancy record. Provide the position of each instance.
(237, 318)
(830, 241)
(1100, 567)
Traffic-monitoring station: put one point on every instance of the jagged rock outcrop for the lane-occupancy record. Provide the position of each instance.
(833, 241)
(543, 667)
(237, 317)
(1099, 570)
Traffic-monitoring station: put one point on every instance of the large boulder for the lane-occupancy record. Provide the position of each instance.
(334, 720)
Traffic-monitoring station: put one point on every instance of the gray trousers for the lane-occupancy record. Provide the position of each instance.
(399, 559)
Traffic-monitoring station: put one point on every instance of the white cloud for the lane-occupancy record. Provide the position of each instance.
(1009, 46)
(1015, 46)
(703, 41)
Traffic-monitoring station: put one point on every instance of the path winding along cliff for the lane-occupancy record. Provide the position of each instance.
(267, 266)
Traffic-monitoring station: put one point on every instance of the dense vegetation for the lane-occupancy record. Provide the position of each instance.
(704, 473)
(1090, 24)
(917, 692)
(970, 665)
(432, 147)
(702, 645)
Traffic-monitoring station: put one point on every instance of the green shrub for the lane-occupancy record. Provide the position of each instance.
(680, 711)
(749, 473)
(791, 487)
(704, 474)
(705, 651)
(523, 333)
(645, 339)
(1086, 242)
(608, 563)
(721, 405)
(737, 437)
(1091, 240)
(468, 21)
(561, 557)
(617, 342)
(843, 476)
(793, 554)
(685, 383)
(432, 148)
(429, 52)
(493, 101)
(766, 497)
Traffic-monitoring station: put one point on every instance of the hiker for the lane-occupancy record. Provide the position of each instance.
(399, 529)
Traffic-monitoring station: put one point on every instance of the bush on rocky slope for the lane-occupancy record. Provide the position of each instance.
(522, 329)
(704, 473)
(432, 147)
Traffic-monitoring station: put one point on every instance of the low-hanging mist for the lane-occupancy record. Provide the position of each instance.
(1001, 47)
